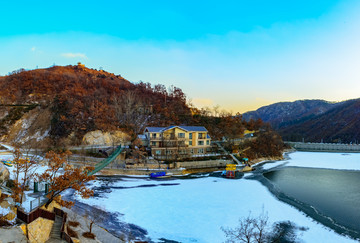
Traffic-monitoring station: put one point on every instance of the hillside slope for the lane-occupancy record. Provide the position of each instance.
(340, 124)
(79, 100)
(283, 114)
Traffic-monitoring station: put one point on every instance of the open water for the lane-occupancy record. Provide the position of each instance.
(330, 196)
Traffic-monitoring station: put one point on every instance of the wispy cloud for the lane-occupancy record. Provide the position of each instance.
(74, 55)
(33, 48)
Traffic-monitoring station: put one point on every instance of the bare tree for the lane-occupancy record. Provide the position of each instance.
(250, 229)
(94, 216)
(132, 110)
(216, 110)
(257, 230)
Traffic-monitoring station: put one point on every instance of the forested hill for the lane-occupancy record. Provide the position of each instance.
(61, 105)
(339, 124)
(313, 120)
(78, 100)
(283, 114)
(82, 99)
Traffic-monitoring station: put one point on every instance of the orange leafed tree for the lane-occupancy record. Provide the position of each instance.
(24, 170)
(61, 176)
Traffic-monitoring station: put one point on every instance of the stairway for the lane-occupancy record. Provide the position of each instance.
(227, 153)
(55, 231)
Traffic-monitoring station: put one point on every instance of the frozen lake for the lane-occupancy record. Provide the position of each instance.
(194, 210)
(330, 196)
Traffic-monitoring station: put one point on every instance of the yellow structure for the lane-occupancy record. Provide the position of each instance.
(248, 133)
(174, 142)
(231, 167)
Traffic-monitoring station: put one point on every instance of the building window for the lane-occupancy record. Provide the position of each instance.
(157, 152)
(190, 143)
(181, 135)
(153, 144)
(192, 151)
(190, 135)
(154, 135)
(200, 143)
(207, 142)
(201, 136)
(200, 151)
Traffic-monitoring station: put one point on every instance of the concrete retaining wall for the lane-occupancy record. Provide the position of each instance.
(325, 147)
(203, 164)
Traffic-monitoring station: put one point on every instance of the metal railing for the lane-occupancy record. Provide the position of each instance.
(38, 202)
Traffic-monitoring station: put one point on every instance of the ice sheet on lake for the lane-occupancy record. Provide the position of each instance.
(194, 210)
(340, 161)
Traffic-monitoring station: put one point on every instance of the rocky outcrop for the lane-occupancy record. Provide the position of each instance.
(39, 230)
(105, 138)
(32, 128)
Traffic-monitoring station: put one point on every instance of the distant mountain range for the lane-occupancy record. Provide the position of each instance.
(313, 120)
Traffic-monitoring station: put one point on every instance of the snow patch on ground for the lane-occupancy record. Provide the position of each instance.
(4, 211)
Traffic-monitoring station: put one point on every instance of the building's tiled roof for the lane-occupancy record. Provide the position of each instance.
(194, 128)
(154, 129)
(187, 128)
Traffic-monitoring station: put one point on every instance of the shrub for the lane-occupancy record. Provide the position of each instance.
(71, 232)
(89, 235)
(10, 183)
(73, 223)
(3, 196)
(4, 222)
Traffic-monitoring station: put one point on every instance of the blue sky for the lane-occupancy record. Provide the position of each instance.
(236, 54)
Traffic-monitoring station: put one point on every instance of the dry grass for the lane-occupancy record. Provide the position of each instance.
(89, 235)
(73, 223)
(2, 197)
(71, 232)
(4, 222)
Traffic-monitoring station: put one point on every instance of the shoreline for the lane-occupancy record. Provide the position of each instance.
(303, 207)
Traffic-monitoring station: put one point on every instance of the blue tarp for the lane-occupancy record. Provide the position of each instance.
(158, 174)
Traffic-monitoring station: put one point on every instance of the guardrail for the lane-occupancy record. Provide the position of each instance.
(38, 202)
(63, 234)
(30, 217)
(325, 147)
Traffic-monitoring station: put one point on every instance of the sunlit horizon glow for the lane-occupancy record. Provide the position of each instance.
(234, 54)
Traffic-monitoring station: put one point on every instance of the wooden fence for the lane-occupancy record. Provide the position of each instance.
(28, 218)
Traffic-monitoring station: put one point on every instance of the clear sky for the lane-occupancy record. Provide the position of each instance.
(236, 54)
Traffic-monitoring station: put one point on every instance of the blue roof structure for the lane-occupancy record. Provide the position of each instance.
(154, 129)
(186, 128)
(194, 128)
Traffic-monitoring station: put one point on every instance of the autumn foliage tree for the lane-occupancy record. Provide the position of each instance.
(61, 176)
(24, 171)
(267, 144)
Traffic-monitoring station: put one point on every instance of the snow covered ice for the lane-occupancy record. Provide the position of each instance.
(194, 210)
